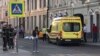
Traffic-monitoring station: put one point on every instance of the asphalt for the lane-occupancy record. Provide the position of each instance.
(23, 52)
(14, 53)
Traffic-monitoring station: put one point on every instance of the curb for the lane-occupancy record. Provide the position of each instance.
(92, 44)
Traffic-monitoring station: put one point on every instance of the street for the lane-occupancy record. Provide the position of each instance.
(54, 50)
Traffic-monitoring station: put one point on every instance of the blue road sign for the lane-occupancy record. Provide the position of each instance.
(16, 8)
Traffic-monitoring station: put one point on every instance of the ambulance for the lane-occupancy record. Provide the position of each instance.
(66, 30)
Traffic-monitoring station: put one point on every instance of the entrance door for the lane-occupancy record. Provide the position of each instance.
(98, 22)
(91, 23)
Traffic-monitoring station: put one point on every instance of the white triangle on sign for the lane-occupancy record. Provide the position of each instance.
(17, 9)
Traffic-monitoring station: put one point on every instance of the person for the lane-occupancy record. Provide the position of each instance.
(44, 34)
(85, 32)
(11, 36)
(5, 36)
(21, 32)
(35, 34)
(95, 30)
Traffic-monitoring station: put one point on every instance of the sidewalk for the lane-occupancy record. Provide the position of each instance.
(90, 42)
(13, 53)
(94, 44)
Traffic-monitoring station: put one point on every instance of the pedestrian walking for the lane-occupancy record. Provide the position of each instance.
(11, 36)
(5, 36)
(35, 34)
(95, 30)
(85, 33)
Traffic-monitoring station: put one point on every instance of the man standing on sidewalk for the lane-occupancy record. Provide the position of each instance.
(5, 36)
(85, 32)
(11, 37)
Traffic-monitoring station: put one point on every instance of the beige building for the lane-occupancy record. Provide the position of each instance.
(3, 10)
(36, 14)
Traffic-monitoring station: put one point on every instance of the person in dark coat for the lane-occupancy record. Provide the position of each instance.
(11, 36)
(35, 34)
(5, 36)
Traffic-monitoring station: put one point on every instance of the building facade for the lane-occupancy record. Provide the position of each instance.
(3, 10)
(36, 14)
(90, 9)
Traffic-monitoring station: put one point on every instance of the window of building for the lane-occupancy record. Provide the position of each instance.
(44, 5)
(39, 21)
(27, 5)
(50, 3)
(31, 22)
(32, 4)
(5, 3)
(40, 3)
(27, 23)
(35, 21)
(44, 20)
(64, 2)
(35, 4)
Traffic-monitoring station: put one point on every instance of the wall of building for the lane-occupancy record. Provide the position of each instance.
(76, 9)
(35, 14)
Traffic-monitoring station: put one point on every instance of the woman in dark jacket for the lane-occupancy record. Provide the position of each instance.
(35, 34)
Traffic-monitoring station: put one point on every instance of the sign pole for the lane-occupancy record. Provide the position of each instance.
(17, 36)
(16, 9)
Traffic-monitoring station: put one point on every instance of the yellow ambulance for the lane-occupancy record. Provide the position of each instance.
(66, 29)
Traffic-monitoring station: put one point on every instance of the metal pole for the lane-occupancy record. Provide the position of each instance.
(17, 36)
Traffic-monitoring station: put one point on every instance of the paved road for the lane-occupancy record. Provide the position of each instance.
(68, 50)
(54, 50)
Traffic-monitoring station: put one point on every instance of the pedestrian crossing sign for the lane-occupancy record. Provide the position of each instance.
(16, 9)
